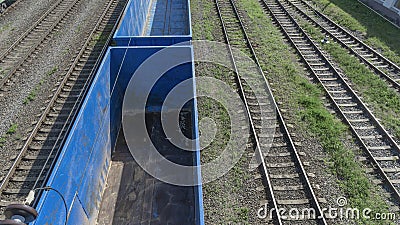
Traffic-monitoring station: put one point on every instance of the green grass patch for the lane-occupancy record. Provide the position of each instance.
(243, 214)
(205, 21)
(11, 132)
(78, 28)
(339, 15)
(385, 101)
(99, 38)
(221, 194)
(221, 204)
(378, 32)
(66, 51)
(2, 141)
(31, 96)
(52, 71)
(329, 130)
(12, 129)
(296, 91)
(5, 27)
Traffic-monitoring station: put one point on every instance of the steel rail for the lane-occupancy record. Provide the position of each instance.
(30, 29)
(341, 29)
(24, 149)
(67, 126)
(374, 68)
(279, 116)
(37, 42)
(348, 88)
(252, 127)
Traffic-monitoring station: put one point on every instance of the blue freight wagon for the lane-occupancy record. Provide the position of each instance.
(154, 23)
(97, 176)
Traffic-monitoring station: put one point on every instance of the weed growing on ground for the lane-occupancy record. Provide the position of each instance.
(220, 196)
(11, 132)
(2, 141)
(31, 96)
(99, 38)
(12, 129)
(5, 27)
(52, 71)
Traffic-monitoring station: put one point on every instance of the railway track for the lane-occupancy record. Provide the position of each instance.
(379, 64)
(281, 169)
(382, 150)
(32, 166)
(32, 40)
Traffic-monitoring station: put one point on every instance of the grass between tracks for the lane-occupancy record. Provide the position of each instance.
(12, 130)
(223, 198)
(32, 95)
(377, 32)
(2, 141)
(5, 27)
(305, 97)
(98, 39)
(384, 101)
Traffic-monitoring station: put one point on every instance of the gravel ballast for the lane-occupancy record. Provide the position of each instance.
(37, 78)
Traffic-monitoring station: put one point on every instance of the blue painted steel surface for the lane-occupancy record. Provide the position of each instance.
(78, 214)
(163, 86)
(134, 18)
(199, 190)
(166, 22)
(83, 162)
(80, 171)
